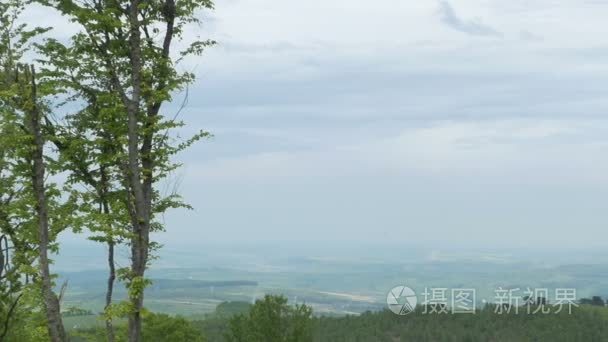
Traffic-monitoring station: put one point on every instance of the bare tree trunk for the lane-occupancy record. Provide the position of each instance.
(105, 207)
(111, 279)
(51, 302)
(3, 265)
(110, 290)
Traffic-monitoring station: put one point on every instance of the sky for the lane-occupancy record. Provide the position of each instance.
(460, 123)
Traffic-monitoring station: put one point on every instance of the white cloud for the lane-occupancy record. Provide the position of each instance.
(503, 151)
(473, 27)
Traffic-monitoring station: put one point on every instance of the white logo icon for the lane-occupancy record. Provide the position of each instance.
(401, 300)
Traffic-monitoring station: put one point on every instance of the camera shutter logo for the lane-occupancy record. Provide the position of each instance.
(401, 300)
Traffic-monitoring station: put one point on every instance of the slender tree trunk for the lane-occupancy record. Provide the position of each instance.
(111, 279)
(141, 208)
(110, 290)
(51, 302)
(105, 208)
(2, 265)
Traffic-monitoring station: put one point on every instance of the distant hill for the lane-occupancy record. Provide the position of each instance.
(161, 284)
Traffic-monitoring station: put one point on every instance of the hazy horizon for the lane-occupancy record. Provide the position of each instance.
(75, 255)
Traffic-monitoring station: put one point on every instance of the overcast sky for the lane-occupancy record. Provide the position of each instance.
(468, 122)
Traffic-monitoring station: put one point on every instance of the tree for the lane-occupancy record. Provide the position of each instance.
(272, 320)
(28, 204)
(33, 117)
(123, 54)
(36, 197)
(161, 327)
(89, 151)
(14, 248)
